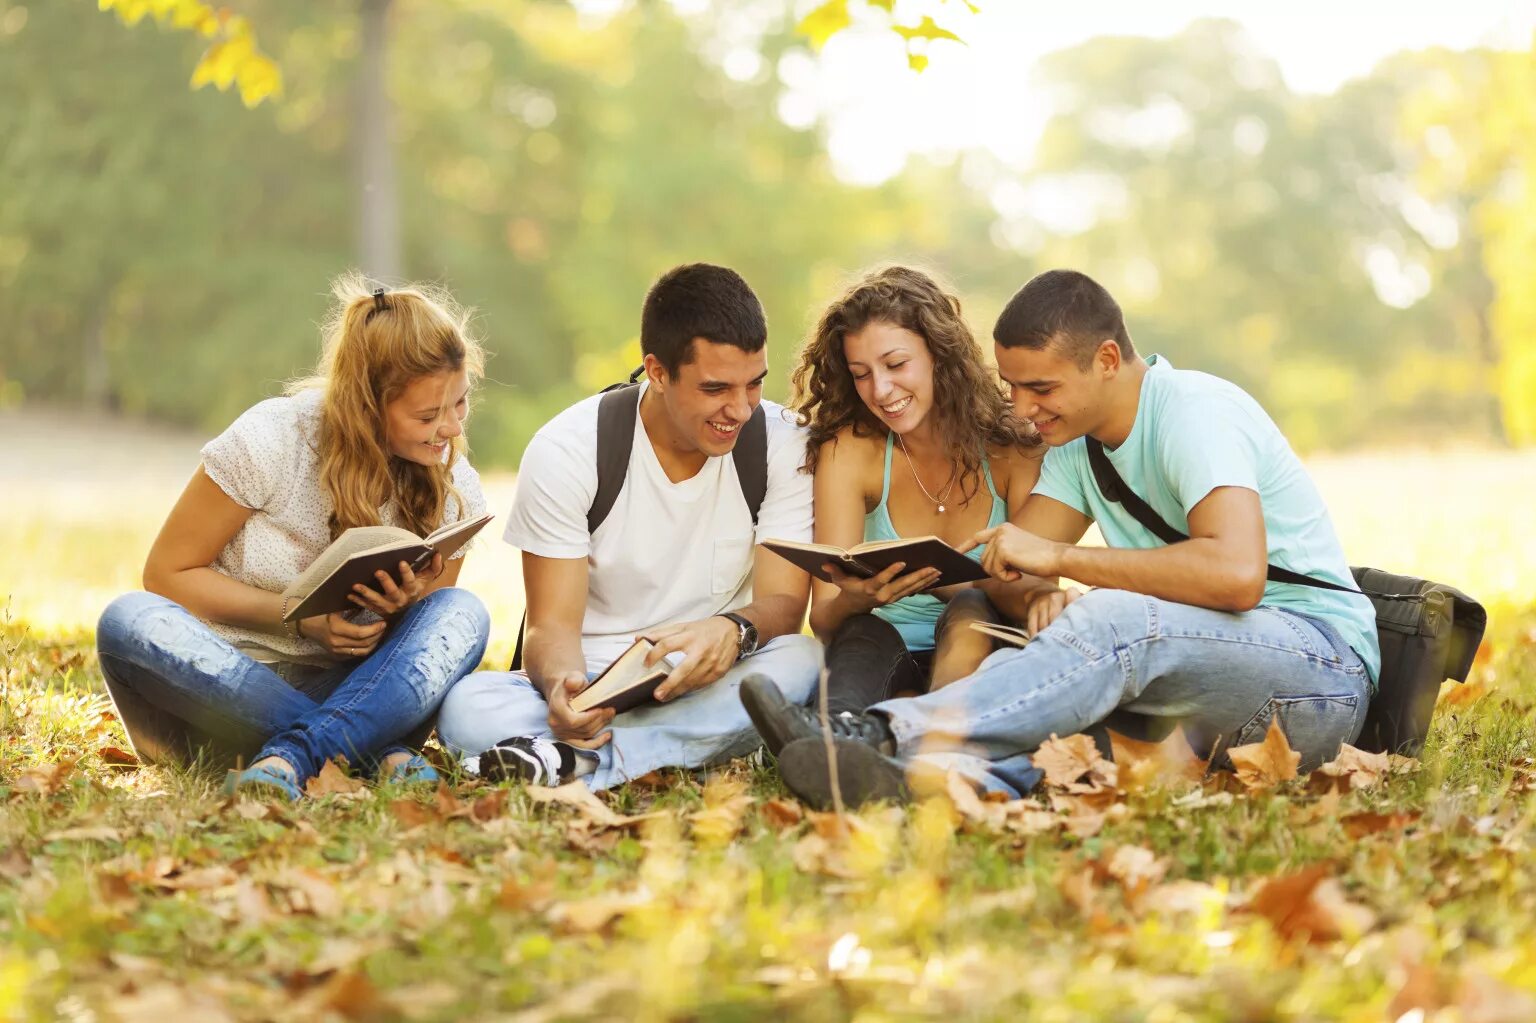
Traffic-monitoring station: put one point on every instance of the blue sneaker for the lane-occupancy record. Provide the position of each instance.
(416, 770)
(270, 779)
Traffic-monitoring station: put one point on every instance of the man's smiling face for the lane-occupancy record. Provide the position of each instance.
(1061, 399)
(713, 395)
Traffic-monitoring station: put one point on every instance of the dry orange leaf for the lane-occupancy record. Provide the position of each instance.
(1073, 761)
(725, 805)
(783, 814)
(333, 781)
(1309, 906)
(586, 916)
(118, 758)
(1142, 765)
(1359, 825)
(576, 794)
(1351, 770)
(46, 780)
(1263, 764)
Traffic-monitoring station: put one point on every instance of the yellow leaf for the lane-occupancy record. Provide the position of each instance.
(824, 22)
(1262, 764)
(918, 62)
(925, 29)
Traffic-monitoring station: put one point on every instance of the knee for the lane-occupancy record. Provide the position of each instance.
(1102, 609)
(128, 616)
(464, 615)
(476, 703)
(866, 628)
(967, 606)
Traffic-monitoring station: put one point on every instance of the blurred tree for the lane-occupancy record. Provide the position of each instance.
(232, 58)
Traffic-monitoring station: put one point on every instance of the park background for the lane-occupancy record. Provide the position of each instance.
(1332, 205)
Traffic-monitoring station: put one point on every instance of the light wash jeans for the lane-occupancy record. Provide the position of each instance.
(179, 688)
(1223, 676)
(701, 728)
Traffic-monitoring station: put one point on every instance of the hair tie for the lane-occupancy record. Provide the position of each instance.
(378, 305)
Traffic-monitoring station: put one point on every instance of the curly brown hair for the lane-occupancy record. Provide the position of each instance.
(970, 410)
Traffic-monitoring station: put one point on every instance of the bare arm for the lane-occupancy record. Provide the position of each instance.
(556, 590)
(1043, 516)
(1221, 566)
(201, 525)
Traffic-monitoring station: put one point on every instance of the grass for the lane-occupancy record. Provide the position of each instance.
(141, 893)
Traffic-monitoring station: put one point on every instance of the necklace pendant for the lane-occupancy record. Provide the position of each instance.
(941, 509)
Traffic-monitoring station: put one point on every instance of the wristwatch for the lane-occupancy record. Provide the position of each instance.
(747, 642)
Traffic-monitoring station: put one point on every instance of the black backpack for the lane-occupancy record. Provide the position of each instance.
(616, 414)
(1428, 631)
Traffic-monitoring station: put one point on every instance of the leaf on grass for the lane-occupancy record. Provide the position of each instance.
(1359, 825)
(587, 916)
(197, 879)
(725, 805)
(489, 806)
(576, 794)
(411, 814)
(333, 781)
(120, 759)
(1180, 897)
(1461, 694)
(971, 807)
(1353, 769)
(99, 833)
(308, 891)
(1145, 765)
(516, 896)
(45, 780)
(1137, 868)
(782, 814)
(348, 993)
(1073, 762)
(14, 864)
(1309, 906)
(1261, 765)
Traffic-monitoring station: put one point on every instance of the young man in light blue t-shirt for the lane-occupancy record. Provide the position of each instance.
(1189, 632)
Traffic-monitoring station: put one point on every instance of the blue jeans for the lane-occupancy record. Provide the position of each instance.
(1223, 676)
(179, 688)
(705, 726)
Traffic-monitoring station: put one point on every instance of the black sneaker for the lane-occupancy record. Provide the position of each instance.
(780, 722)
(864, 774)
(528, 758)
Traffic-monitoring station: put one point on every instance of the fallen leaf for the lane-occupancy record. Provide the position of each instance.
(1073, 761)
(45, 780)
(1179, 897)
(516, 896)
(1353, 769)
(489, 806)
(197, 879)
(576, 794)
(118, 758)
(1309, 906)
(1460, 694)
(348, 993)
(587, 916)
(14, 864)
(411, 814)
(99, 833)
(1261, 765)
(308, 891)
(1359, 825)
(782, 814)
(971, 807)
(1143, 765)
(1136, 868)
(333, 781)
(725, 805)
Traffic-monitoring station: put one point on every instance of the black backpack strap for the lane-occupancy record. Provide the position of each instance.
(1114, 489)
(616, 413)
(751, 457)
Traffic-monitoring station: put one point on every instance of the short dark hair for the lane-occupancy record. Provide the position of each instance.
(1067, 308)
(700, 300)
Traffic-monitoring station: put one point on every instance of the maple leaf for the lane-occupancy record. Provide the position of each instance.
(120, 759)
(333, 781)
(725, 804)
(1143, 765)
(1136, 868)
(1073, 761)
(783, 814)
(1353, 769)
(46, 780)
(1309, 906)
(1261, 765)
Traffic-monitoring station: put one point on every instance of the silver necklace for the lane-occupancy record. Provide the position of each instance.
(943, 495)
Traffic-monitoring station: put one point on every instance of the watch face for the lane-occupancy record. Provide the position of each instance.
(748, 639)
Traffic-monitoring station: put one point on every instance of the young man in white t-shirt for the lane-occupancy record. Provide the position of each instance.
(674, 560)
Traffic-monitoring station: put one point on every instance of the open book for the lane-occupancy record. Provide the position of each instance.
(867, 559)
(354, 557)
(1006, 633)
(627, 682)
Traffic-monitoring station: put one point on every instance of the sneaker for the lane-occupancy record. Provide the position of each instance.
(864, 774)
(262, 781)
(780, 722)
(415, 771)
(528, 758)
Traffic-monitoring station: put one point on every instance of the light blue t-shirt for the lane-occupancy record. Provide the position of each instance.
(1194, 433)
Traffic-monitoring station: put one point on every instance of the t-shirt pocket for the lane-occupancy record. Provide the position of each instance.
(731, 563)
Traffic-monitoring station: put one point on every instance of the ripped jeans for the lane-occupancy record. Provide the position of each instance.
(1154, 664)
(179, 688)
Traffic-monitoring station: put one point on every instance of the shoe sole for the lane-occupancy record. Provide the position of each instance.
(864, 774)
(768, 709)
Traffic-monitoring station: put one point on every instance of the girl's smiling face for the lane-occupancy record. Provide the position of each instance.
(424, 417)
(893, 373)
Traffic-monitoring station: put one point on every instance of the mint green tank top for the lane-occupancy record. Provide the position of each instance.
(916, 616)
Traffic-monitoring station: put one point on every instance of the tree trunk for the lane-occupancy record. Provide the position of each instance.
(378, 195)
(95, 370)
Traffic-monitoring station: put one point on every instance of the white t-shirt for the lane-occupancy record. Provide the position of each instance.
(268, 461)
(667, 552)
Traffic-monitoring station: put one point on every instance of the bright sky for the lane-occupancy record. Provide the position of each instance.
(981, 95)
